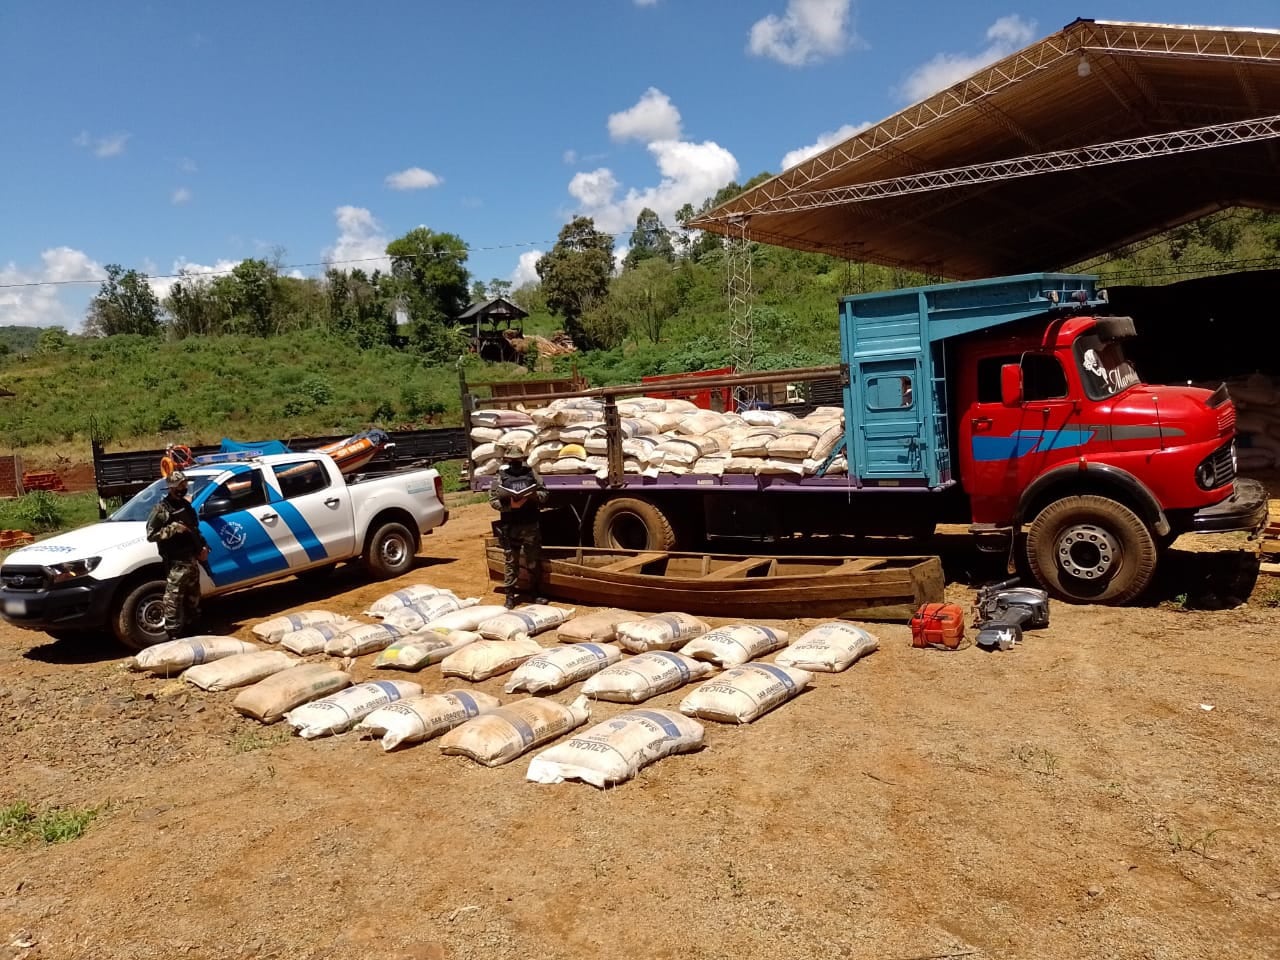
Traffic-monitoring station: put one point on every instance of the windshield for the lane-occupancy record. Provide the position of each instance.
(139, 507)
(1104, 369)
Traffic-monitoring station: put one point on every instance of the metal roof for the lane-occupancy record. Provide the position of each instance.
(1099, 135)
(484, 306)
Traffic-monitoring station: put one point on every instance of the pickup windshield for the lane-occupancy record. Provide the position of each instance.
(139, 506)
(1104, 369)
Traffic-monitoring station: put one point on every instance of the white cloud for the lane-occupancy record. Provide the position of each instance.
(654, 117)
(180, 196)
(187, 165)
(646, 3)
(691, 172)
(360, 238)
(414, 178)
(44, 306)
(161, 286)
(825, 140)
(809, 31)
(570, 157)
(111, 145)
(526, 270)
(1003, 37)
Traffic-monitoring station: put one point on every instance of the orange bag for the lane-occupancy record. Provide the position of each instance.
(938, 625)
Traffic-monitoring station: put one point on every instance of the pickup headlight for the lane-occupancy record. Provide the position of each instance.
(71, 569)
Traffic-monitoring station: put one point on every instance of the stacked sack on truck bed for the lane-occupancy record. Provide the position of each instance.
(671, 437)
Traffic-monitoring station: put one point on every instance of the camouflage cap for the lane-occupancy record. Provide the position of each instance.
(176, 479)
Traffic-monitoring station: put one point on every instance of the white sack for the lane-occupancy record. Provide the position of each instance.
(828, 648)
(421, 718)
(405, 597)
(599, 625)
(272, 630)
(484, 453)
(489, 658)
(744, 693)
(616, 750)
(647, 675)
(423, 649)
(361, 639)
(239, 670)
(662, 631)
(485, 434)
(174, 655)
(734, 645)
(418, 615)
(311, 640)
(767, 418)
(502, 735)
(341, 711)
(557, 668)
(270, 699)
(701, 423)
(468, 618)
(529, 619)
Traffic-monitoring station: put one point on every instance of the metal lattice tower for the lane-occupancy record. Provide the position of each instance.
(737, 262)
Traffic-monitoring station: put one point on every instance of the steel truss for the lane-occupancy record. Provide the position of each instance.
(1053, 161)
(737, 262)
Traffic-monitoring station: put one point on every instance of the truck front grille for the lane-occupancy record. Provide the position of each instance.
(1223, 462)
(22, 578)
(1227, 418)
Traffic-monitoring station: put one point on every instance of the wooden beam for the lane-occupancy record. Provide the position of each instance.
(854, 565)
(739, 569)
(630, 563)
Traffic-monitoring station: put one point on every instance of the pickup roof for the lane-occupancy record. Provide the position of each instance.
(264, 518)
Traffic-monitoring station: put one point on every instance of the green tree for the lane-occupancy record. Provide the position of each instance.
(649, 240)
(194, 309)
(360, 307)
(52, 340)
(125, 303)
(252, 292)
(575, 275)
(647, 296)
(478, 291)
(499, 288)
(431, 283)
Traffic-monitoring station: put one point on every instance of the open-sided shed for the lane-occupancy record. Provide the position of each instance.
(1098, 135)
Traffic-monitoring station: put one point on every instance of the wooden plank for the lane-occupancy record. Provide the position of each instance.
(1272, 569)
(734, 570)
(630, 563)
(855, 564)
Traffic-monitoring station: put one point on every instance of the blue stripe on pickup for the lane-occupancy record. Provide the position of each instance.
(299, 527)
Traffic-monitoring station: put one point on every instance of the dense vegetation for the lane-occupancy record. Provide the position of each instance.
(256, 353)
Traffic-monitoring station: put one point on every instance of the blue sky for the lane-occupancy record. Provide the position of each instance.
(177, 134)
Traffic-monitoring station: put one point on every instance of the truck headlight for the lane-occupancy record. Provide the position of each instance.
(72, 569)
(1205, 475)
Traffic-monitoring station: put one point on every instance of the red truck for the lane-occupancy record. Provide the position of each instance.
(1005, 403)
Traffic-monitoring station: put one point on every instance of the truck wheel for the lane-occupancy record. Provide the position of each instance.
(630, 524)
(138, 621)
(390, 550)
(1091, 549)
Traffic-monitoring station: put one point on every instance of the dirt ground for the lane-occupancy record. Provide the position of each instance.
(1109, 789)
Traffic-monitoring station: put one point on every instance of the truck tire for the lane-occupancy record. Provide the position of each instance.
(1091, 549)
(390, 550)
(138, 619)
(631, 524)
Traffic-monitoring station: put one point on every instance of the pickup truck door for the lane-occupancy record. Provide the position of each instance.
(317, 525)
(233, 518)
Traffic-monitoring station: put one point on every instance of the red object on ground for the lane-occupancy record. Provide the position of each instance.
(939, 625)
(43, 480)
(720, 399)
(14, 538)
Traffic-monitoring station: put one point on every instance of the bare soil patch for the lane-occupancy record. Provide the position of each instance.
(1071, 798)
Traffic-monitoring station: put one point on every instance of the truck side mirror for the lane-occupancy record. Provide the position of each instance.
(1011, 384)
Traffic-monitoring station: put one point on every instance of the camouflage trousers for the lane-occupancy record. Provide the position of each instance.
(181, 597)
(526, 539)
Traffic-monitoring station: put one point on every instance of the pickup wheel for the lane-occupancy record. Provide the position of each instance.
(1090, 549)
(390, 550)
(630, 524)
(138, 618)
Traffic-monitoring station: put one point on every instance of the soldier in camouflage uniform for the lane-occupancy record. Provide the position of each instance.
(174, 527)
(518, 527)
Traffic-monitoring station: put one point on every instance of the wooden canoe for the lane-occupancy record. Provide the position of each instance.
(725, 585)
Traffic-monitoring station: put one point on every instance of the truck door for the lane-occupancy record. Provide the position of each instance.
(1004, 448)
(317, 524)
(233, 519)
(889, 441)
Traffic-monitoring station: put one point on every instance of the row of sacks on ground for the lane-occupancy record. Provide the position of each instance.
(660, 436)
(1257, 401)
(476, 643)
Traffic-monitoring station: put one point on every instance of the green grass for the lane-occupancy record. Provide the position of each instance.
(21, 823)
(42, 512)
(254, 740)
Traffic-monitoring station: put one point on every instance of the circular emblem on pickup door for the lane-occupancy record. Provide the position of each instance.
(232, 535)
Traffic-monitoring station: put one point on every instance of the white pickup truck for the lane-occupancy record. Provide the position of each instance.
(264, 517)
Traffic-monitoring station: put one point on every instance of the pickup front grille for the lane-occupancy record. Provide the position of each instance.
(22, 578)
(1223, 463)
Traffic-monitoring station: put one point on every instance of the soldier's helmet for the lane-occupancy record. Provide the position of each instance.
(177, 479)
(512, 454)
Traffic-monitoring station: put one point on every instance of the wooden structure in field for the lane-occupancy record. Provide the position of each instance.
(497, 329)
